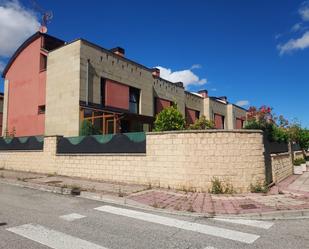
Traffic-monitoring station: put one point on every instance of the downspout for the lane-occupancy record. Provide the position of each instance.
(87, 83)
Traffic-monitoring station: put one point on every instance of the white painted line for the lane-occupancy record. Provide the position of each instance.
(210, 247)
(52, 238)
(185, 225)
(72, 217)
(252, 223)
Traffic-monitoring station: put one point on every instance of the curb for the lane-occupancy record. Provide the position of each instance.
(123, 201)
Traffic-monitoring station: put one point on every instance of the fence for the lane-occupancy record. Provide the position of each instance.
(22, 143)
(134, 142)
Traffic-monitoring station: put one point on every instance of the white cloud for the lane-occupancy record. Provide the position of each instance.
(304, 11)
(297, 27)
(196, 66)
(294, 44)
(242, 103)
(186, 76)
(16, 24)
(2, 65)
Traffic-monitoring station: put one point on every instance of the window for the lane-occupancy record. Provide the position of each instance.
(43, 62)
(41, 109)
(219, 121)
(103, 91)
(134, 100)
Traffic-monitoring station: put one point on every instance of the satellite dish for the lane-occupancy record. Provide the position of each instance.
(43, 29)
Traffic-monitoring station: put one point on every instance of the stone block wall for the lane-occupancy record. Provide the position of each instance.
(180, 160)
(282, 166)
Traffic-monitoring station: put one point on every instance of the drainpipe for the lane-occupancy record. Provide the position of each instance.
(87, 83)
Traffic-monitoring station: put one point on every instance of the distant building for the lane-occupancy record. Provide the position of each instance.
(51, 86)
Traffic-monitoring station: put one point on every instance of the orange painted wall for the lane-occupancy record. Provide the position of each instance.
(26, 92)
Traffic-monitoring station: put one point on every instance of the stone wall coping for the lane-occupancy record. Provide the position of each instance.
(280, 154)
(204, 131)
(101, 154)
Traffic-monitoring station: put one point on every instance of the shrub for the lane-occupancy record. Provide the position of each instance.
(218, 187)
(259, 188)
(202, 124)
(299, 161)
(87, 129)
(169, 119)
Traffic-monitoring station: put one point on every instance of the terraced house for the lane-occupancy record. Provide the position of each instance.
(51, 86)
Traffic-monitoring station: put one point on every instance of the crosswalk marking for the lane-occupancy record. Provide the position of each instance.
(185, 225)
(52, 238)
(253, 223)
(72, 217)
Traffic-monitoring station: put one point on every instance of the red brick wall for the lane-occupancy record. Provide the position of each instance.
(239, 123)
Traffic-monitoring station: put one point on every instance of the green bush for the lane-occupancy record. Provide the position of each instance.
(202, 124)
(87, 129)
(169, 119)
(299, 161)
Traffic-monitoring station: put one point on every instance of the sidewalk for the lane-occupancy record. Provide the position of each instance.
(290, 194)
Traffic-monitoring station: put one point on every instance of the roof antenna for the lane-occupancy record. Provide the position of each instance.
(46, 16)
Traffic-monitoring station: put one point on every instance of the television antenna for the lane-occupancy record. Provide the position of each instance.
(46, 16)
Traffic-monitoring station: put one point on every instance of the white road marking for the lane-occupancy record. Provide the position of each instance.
(52, 238)
(185, 225)
(210, 247)
(253, 223)
(72, 217)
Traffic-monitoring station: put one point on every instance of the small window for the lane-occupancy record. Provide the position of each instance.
(41, 109)
(43, 62)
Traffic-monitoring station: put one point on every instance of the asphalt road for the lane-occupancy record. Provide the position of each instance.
(38, 219)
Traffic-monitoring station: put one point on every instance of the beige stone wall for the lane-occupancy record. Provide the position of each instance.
(234, 112)
(5, 106)
(105, 64)
(62, 91)
(175, 159)
(282, 166)
(194, 102)
(298, 155)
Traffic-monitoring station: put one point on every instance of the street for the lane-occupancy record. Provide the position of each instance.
(36, 219)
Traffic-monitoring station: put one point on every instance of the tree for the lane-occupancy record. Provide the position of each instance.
(202, 124)
(169, 119)
(264, 119)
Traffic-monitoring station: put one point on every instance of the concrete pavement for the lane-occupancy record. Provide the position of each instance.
(288, 198)
(37, 219)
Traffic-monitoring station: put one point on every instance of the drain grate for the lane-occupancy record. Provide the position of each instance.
(3, 224)
(248, 206)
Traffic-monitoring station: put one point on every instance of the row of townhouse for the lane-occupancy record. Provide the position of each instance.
(52, 86)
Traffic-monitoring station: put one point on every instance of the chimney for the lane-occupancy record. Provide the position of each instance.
(156, 72)
(118, 51)
(204, 93)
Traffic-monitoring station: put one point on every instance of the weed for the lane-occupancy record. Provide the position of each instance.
(218, 187)
(259, 187)
(155, 205)
(120, 194)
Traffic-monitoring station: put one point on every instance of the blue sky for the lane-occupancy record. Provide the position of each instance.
(255, 51)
